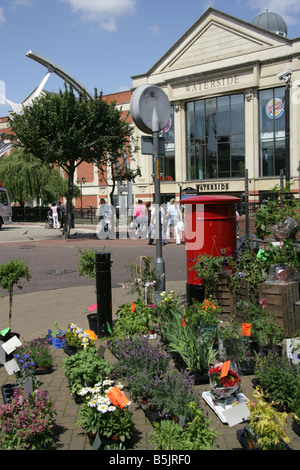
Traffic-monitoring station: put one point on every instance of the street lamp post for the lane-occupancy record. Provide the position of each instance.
(81, 181)
(286, 77)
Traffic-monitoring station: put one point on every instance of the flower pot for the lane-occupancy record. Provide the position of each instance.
(70, 350)
(224, 396)
(296, 426)
(8, 392)
(41, 370)
(92, 320)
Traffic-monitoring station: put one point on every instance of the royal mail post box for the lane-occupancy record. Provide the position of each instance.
(210, 226)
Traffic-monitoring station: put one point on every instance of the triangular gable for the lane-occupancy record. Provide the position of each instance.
(216, 36)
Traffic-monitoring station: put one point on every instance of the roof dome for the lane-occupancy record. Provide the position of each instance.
(272, 22)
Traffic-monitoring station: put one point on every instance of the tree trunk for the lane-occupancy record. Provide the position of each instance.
(10, 307)
(68, 218)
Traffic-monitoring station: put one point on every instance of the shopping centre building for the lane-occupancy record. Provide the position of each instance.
(234, 90)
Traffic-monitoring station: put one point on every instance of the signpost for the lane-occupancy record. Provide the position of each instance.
(150, 111)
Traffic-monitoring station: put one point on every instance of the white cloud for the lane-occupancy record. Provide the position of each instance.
(104, 12)
(2, 17)
(154, 29)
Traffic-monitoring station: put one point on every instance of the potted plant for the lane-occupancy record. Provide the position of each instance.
(134, 318)
(266, 427)
(277, 212)
(27, 368)
(196, 435)
(86, 367)
(98, 414)
(266, 332)
(39, 351)
(171, 393)
(143, 278)
(27, 424)
(223, 388)
(236, 346)
(203, 316)
(189, 349)
(278, 379)
(295, 407)
(11, 274)
(139, 354)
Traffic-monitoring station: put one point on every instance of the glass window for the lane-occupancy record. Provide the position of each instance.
(215, 130)
(271, 131)
(167, 162)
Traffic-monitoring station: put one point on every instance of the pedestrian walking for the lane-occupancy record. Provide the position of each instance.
(55, 215)
(62, 211)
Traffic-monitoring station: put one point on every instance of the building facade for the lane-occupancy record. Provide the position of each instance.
(228, 82)
(234, 90)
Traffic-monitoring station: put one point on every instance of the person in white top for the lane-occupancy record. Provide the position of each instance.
(174, 220)
(55, 215)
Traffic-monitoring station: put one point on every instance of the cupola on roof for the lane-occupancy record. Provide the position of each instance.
(272, 22)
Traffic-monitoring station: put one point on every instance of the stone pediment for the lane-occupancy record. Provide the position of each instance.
(215, 37)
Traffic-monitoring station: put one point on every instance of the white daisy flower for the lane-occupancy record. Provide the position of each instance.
(107, 382)
(102, 408)
(111, 408)
(92, 403)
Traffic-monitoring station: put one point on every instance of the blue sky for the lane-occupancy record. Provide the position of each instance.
(104, 42)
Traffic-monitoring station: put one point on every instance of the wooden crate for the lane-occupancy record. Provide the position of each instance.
(224, 297)
(281, 299)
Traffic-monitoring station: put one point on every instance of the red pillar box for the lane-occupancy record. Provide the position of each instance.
(210, 225)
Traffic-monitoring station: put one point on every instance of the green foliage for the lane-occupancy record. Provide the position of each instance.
(171, 393)
(85, 367)
(197, 435)
(10, 275)
(276, 210)
(87, 262)
(27, 177)
(267, 425)
(133, 319)
(98, 414)
(265, 328)
(143, 278)
(65, 130)
(182, 338)
(168, 306)
(278, 378)
(27, 424)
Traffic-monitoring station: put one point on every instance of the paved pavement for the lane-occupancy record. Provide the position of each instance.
(56, 292)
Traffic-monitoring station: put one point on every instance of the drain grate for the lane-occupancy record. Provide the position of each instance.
(59, 272)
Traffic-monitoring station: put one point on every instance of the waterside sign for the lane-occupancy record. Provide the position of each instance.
(213, 187)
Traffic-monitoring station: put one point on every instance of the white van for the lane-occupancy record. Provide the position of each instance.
(5, 208)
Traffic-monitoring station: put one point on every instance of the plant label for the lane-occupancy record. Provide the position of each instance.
(236, 414)
(11, 367)
(10, 345)
(225, 369)
(28, 388)
(117, 397)
(246, 327)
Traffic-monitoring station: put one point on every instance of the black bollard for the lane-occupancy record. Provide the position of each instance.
(103, 287)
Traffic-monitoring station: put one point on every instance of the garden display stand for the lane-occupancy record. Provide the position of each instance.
(232, 414)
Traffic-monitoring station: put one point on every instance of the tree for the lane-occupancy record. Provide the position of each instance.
(10, 275)
(26, 177)
(65, 130)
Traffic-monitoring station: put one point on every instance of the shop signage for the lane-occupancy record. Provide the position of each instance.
(274, 110)
(213, 83)
(213, 187)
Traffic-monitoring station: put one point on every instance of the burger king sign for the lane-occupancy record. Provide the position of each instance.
(274, 108)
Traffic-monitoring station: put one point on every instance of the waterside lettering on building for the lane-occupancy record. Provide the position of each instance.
(214, 187)
(212, 84)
